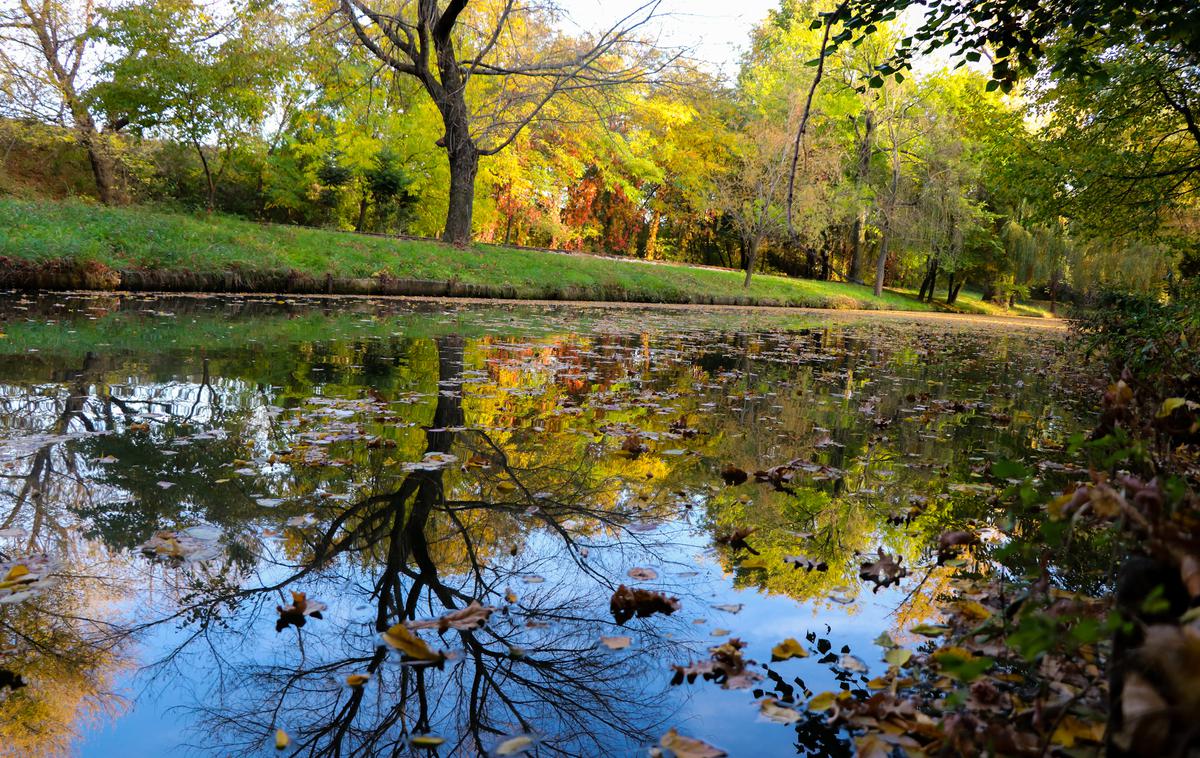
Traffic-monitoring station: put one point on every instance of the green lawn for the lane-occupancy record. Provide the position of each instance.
(47, 233)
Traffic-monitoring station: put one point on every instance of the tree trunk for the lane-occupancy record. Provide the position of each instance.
(929, 264)
(951, 293)
(857, 241)
(858, 238)
(212, 188)
(881, 263)
(103, 166)
(933, 275)
(751, 256)
(652, 237)
(464, 165)
(362, 212)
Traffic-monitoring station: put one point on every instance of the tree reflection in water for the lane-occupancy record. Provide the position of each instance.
(537, 667)
(548, 499)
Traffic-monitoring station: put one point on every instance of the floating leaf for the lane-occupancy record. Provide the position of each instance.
(643, 574)
(852, 663)
(298, 612)
(771, 709)
(822, 702)
(897, 656)
(929, 630)
(615, 643)
(789, 648)
(426, 740)
(730, 607)
(515, 745)
(358, 680)
(464, 619)
(688, 747)
(628, 602)
(281, 739)
(400, 638)
(733, 475)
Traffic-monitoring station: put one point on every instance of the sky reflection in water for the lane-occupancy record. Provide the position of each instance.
(397, 461)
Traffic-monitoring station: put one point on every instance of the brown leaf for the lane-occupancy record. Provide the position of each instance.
(411, 645)
(733, 475)
(298, 612)
(736, 540)
(727, 667)
(464, 619)
(628, 602)
(687, 747)
(883, 572)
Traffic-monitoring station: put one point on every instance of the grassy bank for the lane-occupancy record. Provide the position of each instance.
(78, 245)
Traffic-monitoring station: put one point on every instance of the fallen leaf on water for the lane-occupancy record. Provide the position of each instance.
(852, 663)
(533, 579)
(736, 540)
(298, 612)
(426, 740)
(281, 739)
(726, 666)
(643, 574)
(929, 630)
(733, 475)
(822, 702)
(628, 602)
(772, 710)
(358, 680)
(688, 747)
(871, 746)
(719, 632)
(730, 607)
(897, 656)
(515, 745)
(615, 643)
(510, 597)
(410, 644)
(789, 648)
(884, 571)
(464, 619)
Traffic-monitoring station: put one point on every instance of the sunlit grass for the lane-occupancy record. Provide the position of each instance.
(141, 238)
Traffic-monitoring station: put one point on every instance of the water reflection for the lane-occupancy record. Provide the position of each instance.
(190, 465)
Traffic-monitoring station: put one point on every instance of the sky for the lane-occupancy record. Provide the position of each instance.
(716, 32)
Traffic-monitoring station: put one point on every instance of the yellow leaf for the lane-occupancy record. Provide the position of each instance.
(822, 702)
(1170, 404)
(897, 656)
(1072, 730)
(973, 610)
(789, 648)
(426, 740)
(878, 683)
(358, 680)
(780, 714)
(687, 747)
(16, 572)
(281, 739)
(514, 745)
(410, 644)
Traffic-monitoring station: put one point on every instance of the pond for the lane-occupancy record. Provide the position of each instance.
(602, 524)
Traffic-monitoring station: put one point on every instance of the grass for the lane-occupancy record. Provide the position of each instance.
(46, 233)
(971, 301)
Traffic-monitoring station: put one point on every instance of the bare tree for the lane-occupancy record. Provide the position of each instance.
(522, 58)
(43, 46)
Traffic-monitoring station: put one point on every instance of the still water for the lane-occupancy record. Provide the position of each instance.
(176, 471)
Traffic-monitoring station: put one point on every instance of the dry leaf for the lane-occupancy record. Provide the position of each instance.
(789, 648)
(688, 747)
(464, 619)
(628, 602)
(400, 638)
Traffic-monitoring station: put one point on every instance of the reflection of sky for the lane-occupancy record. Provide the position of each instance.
(730, 396)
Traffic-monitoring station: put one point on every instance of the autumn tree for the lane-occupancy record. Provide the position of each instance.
(492, 70)
(44, 57)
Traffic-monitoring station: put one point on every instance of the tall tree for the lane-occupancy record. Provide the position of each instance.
(519, 52)
(44, 47)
